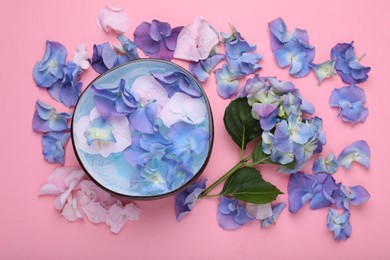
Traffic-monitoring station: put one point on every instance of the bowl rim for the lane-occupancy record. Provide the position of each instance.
(211, 133)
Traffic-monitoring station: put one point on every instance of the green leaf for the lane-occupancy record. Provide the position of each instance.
(246, 184)
(259, 157)
(240, 124)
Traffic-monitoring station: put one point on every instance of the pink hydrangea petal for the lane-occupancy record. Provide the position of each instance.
(119, 215)
(148, 89)
(71, 211)
(196, 40)
(81, 56)
(95, 212)
(113, 19)
(259, 211)
(132, 211)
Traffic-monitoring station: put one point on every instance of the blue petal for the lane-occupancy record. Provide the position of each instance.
(358, 151)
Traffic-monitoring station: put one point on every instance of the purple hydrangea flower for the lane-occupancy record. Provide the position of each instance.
(350, 100)
(46, 119)
(53, 146)
(348, 65)
(202, 69)
(291, 49)
(104, 58)
(175, 82)
(67, 90)
(324, 70)
(50, 69)
(358, 151)
(318, 188)
(355, 195)
(328, 165)
(157, 39)
(339, 224)
(232, 214)
(186, 199)
(276, 211)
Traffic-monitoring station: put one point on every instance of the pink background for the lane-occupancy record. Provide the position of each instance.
(30, 227)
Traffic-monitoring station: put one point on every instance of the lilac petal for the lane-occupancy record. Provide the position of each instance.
(171, 40)
(142, 119)
(144, 41)
(227, 222)
(158, 30)
(358, 151)
(267, 113)
(361, 195)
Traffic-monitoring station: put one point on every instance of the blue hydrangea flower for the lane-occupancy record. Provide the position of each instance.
(318, 188)
(350, 100)
(291, 48)
(348, 65)
(157, 39)
(50, 69)
(67, 90)
(128, 48)
(226, 83)
(358, 151)
(339, 224)
(118, 97)
(187, 142)
(186, 199)
(53, 146)
(232, 214)
(46, 119)
(202, 69)
(276, 211)
(355, 195)
(328, 165)
(240, 62)
(324, 70)
(175, 82)
(104, 57)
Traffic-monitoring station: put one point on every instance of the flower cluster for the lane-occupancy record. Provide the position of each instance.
(322, 190)
(240, 63)
(61, 79)
(287, 136)
(291, 49)
(77, 197)
(55, 130)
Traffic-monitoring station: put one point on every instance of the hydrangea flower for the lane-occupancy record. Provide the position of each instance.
(53, 146)
(196, 41)
(46, 119)
(177, 81)
(67, 90)
(61, 182)
(318, 188)
(240, 62)
(232, 214)
(102, 136)
(81, 57)
(276, 211)
(291, 49)
(50, 69)
(339, 224)
(183, 108)
(324, 70)
(358, 151)
(328, 165)
(118, 215)
(202, 69)
(348, 65)
(104, 57)
(113, 19)
(186, 199)
(157, 39)
(350, 100)
(187, 142)
(355, 195)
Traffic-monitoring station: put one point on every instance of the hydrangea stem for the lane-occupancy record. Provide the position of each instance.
(225, 176)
